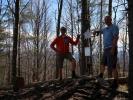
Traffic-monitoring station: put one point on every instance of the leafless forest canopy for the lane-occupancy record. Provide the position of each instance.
(37, 27)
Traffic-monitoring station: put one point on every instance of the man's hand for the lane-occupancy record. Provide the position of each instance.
(96, 33)
(112, 51)
(78, 36)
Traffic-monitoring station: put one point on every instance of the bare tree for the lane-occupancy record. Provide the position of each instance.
(84, 27)
(15, 41)
(60, 5)
(110, 8)
(130, 30)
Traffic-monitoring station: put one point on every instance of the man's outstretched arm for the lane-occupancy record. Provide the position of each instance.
(75, 42)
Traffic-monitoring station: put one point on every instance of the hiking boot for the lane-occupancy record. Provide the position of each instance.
(101, 81)
(59, 78)
(75, 76)
(114, 85)
(100, 75)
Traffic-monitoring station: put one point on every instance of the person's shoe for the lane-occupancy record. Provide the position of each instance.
(100, 75)
(101, 81)
(114, 85)
(59, 78)
(75, 76)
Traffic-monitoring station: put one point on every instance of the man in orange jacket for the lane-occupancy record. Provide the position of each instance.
(61, 46)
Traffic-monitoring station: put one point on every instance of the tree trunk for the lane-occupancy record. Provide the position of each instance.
(125, 48)
(45, 48)
(37, 34)
(37, 53)
(130, 32)
(58, 27)
(90, 72)
(84, 27)
(110, 8)
(71, 15)
(15, 41)
(101, 16)
(19, 53)
(59, 17)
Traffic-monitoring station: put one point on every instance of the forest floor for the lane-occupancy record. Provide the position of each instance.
(83, 88)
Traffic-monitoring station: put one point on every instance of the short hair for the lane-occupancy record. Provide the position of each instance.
(107, 17)
(63, 29)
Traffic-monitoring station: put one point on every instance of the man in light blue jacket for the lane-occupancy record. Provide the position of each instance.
(110, 39)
